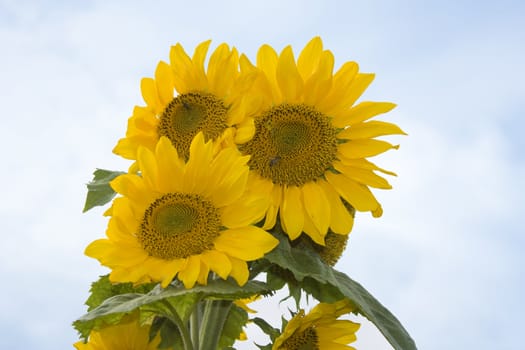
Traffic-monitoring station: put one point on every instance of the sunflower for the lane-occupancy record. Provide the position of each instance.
(319, 330)
(184, 218)
(311, 142)
(127, 335)
(212, 100)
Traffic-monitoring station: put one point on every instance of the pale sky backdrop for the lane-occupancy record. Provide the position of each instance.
(447, 257)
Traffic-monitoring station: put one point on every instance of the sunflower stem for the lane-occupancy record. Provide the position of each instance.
(214, 317)
(195, 324)
(174, 317)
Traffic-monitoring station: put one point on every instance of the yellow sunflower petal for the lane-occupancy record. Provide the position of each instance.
(190, 273)
(181, 67)
(312, 231)
(125, 275)
(126, 148)
(150, 95)
(164, 270)
(204, 272)
(164, 82)
(273, 209)
(246, 243)
(316, 205)
(218, 263)
(292, 217)
(309, 57)
(248, 210)
(359, 196)
(222, 67)
(342, 81)
(364, 148)
(358, 86)
(245, 131)
(230, 175)
(148, 167)
(109, 254)
(121, 231)
(316, 87)
(239, 271)
(199, 56)
(129, 185)
(361, 112)
(341, 220)
(124, 215)
(267, 60)
(170, 166)
(288, 77)
(201, 153)
(364, 164)
(364, 176)
(370, 130)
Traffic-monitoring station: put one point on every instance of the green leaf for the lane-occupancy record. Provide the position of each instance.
(273, 333)
(235, 321)
(328, 285)
(169, 334)
(111, 310)
(265, 347)
(275, 281)
(99, 190)
(103, 289)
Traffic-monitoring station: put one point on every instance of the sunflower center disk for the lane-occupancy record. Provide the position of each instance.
(306, 340)
(293, 144)
(179, 225)
(187, 114)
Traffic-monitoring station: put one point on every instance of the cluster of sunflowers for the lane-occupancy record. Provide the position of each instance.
(245, 180)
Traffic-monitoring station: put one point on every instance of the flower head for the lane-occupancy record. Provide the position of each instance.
(126, 335)
(213, 101)
(311, 142)
(184, 218)
(319, 329)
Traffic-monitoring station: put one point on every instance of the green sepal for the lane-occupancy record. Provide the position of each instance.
(329, 285)
(99, 190)
(235, 321)
(111, 310)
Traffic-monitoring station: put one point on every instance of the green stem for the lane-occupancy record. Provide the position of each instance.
(215, 315)
(195, 324)
(174, 317)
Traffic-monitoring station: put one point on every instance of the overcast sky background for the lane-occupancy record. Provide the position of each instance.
(446, 257)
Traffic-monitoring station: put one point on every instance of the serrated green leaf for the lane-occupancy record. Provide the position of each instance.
(103, 289)
(99, 190)
(273, 333)
(112, 309)
(233, 327)
(329, 285)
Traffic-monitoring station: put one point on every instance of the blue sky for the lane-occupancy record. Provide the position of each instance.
(446, 257)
